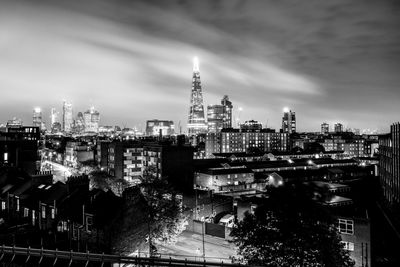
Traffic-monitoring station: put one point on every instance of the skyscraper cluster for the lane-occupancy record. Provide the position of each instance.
(87, 122)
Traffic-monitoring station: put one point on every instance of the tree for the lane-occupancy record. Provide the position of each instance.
(290, 229)
(152, 213)
(165, 216)
(102, 180)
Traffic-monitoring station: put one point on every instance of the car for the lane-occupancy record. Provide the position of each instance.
(228, 220)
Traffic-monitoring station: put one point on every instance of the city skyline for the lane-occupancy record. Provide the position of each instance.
(133, 67)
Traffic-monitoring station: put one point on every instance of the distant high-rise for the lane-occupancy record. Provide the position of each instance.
(324, 128)
(288, 121)
(37, 117)
(196, 121)
(68, 120)
(79, 123)
(215, 118)
(153, 127)
(219, 116)
(53, 116)
(91, 120)
(227, 117)
(338, 127)
(14, 122)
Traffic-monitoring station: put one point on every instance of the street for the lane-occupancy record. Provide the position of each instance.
(190, 246)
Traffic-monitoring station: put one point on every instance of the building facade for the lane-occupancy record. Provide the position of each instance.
(324, 128)
(251, 125)
(389, 165)
(215, 118)
(91, 120)
(338, 127)
(154, 127)
(237, 140)
(288, 121)
(227, 118)
(220, 179)
(124, 160)
(37, 118)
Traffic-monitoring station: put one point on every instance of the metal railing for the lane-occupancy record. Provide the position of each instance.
(70, 257)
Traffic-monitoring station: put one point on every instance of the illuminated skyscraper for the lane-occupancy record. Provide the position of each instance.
(68, 120)
(91, 120)
(288, 121)
(37, 117)
(196, 121)
(227, 117)
(324, 128)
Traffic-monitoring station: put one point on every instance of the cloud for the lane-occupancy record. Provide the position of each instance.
(132, 59)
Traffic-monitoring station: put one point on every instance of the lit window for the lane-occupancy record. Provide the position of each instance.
(53, 213)
(26, 212)
(89, 223)
(348, 245)
(3, 205)
(346, 226)
(43, 212)
(17, 208)
(33, 217)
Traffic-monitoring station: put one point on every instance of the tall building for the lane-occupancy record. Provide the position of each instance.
(219, 116)
(53, 116)
(389, 165)
(288, 121)
(37, 118)
(91, 120)
(338, 127)
(68, 120)
(324, 128)
(153, 127)
(196, 121)
(215, 118)
(79, 123)
(54, 124)
(227, 118)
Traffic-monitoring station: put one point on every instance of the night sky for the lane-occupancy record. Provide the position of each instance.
(334, 61)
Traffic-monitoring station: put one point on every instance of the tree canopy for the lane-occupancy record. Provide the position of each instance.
(152, 213)
(290, 229)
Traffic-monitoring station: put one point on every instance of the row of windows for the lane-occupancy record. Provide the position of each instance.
(345, 226)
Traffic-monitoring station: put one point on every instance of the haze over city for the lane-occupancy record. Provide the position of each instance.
(132, 60)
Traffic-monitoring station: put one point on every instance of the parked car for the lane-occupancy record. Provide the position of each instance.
(228, 220)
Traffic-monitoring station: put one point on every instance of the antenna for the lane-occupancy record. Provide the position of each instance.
(195, 64)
